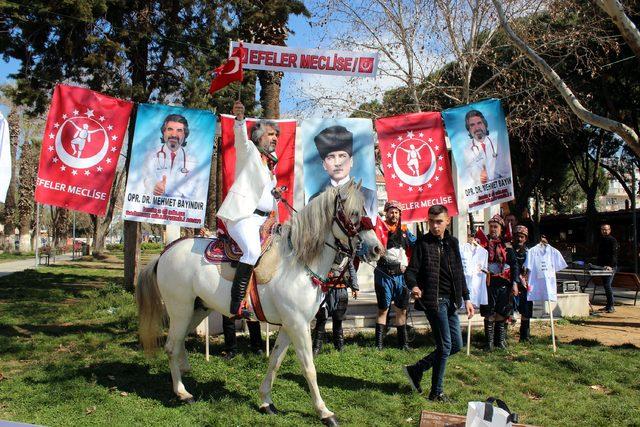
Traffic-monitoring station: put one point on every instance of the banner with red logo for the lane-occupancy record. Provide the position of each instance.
(300, 60)
(285, 152)
(416, 164)
(80, 149)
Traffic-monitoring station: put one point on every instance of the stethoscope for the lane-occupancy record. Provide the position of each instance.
(160, 152)
(477, 148)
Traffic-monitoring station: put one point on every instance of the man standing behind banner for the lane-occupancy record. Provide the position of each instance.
(169, 168)
(482, 159)
(251, 198)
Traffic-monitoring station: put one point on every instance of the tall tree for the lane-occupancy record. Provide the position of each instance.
(266, 21)
(140, 50)
(10, 203)
(29, 156)
(626, 132)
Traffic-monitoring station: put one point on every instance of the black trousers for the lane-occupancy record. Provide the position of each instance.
(230, 339)
(334, 306)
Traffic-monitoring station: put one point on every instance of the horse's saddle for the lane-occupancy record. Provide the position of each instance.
(224, 252)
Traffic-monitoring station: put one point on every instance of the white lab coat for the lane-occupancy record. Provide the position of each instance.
(183, 179)
(495, 161)
(251, 177)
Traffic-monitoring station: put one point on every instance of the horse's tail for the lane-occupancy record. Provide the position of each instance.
(150, 309)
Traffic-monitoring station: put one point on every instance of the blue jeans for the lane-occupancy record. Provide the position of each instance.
(608, 290)
(446, 334)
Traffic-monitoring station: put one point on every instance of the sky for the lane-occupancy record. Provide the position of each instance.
(296, 87)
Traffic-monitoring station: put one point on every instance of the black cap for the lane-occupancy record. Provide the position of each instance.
(334, 138)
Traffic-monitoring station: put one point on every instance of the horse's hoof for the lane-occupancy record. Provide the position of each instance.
(187, 400)
(330, 421)
(269, 410)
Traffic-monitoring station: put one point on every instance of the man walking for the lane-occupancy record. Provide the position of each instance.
(608, 259)
(436, 278)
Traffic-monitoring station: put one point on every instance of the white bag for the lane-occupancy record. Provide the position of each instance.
(484, 414)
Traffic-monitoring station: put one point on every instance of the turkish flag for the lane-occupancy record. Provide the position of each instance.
(482, 238)
(382, 231)
(416, 164)
(80, 149)
(285, 152)
(228, 72)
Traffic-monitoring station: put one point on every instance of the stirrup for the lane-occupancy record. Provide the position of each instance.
(243, 313)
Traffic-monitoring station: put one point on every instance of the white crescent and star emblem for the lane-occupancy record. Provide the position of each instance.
(82, 133)
(416, 153)
(236, 65)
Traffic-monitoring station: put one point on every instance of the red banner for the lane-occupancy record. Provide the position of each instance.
(80, 149)
(416, 164)
(285, 152)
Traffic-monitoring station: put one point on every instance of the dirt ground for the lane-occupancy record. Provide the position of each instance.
(621, 327)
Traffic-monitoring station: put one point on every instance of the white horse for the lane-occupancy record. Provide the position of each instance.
(307, 247)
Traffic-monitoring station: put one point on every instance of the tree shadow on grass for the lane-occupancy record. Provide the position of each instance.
(329, 380)
(135, 378)
(60, 330)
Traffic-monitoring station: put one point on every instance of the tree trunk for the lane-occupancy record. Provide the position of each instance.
(25, 239)
(132, 242)
(132, 230)
(270, 93)
(100, 228)
(627, 28)
(10, 203)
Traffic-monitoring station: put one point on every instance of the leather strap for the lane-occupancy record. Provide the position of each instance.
(261, 213)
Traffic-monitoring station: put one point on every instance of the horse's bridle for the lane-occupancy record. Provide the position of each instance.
(348, 227)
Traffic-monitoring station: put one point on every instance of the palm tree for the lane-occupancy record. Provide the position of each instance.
(266, 22)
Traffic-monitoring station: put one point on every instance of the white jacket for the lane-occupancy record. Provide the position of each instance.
(251, 177)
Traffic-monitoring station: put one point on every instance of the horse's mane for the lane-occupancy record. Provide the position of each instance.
(306, 230)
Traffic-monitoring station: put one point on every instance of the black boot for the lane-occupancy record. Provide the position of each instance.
(318, 337)
(230, 342)
(501, 335)
(525, 325)
(489, 332)
(403, 342)
(256, 343)
(338, 336)
(379, 335)
(239, 287)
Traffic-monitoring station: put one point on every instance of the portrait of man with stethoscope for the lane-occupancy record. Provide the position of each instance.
(169, 167)
(483, 160)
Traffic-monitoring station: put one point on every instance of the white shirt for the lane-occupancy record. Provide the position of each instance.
(543, 261)
(266, 202)
(474, 259)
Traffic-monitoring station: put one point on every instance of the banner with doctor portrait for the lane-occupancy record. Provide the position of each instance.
(480, 147)
(170, 165)
(335, 150)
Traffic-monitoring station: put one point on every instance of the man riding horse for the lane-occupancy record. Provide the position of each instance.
(251, 199)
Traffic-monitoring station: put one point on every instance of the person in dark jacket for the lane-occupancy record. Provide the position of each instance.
(608, 259)
(503, 275)
(436, 278)
(388, 276)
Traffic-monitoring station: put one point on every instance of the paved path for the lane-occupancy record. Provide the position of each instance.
(7, 268)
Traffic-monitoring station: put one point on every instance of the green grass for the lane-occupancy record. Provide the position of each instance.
(69, 356)
(12, 256)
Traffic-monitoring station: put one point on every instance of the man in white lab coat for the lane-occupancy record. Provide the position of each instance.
(251, 198)
(170, 170)
(483, 160)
